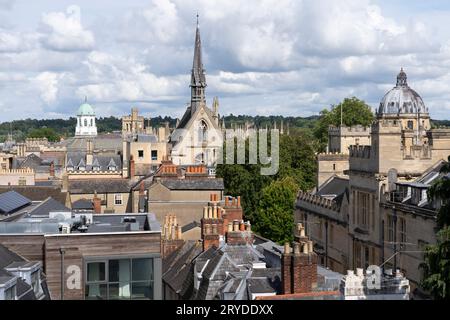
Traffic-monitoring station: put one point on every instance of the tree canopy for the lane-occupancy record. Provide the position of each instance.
(354, 112)
(437, 257)
(275, 210)
(44, 132)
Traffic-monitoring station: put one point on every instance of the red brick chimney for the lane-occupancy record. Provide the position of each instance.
(239, 233)
(299, 268)
(132, 167)
(171, 235)
(52, 170)
(97, 203)
(233, 208)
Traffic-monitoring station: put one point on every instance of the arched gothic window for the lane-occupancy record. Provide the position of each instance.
(203, 131)
(85, 122)
(92, 122)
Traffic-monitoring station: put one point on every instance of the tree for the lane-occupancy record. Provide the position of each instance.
(297, 160)
(437, 267)
(437, 257)
(48, 133)
(354, 112)
(275, 211)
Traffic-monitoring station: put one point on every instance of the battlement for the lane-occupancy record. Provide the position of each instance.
(360, 152)
(383, 124)
(16, 171)
(318, 200)
(357, 130)
(332, 156)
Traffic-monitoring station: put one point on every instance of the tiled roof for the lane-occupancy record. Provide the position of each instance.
(194, 184)
(89, 186)
(48, 205)
(38, 193)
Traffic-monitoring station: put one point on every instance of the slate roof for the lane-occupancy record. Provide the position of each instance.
(333, 186)
(89, 186)
(194, 184)
(190, 226)
(48, 205)
(83, 204)
(37, 193)
(10, 258)
(180, 268)
(110, 142)
(77, 159)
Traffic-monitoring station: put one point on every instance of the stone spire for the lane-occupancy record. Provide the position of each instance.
(198, 79)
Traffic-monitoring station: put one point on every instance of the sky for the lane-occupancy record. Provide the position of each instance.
(262, 57)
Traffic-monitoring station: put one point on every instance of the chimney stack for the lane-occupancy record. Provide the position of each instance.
(132, 167)
(52, 170)
(299, 269)
(97, 202)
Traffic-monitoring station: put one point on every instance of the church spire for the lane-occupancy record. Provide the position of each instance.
(198, 79)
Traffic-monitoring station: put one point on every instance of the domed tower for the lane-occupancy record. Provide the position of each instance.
(400, 133)
(86, 125)
(405, 104)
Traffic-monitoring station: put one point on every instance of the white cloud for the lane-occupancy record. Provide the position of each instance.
(47, 83)
(65, 31)
(262, 56)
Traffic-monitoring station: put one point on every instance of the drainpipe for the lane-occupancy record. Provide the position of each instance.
(62, 251)
(395, 240)
(326, 244)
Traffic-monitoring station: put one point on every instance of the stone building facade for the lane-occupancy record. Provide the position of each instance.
(403, 149)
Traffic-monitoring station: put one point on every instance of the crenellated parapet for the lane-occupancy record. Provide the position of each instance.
(318, 200)
(16, 171)
(332, 156)
(349, 131)
(360, 152)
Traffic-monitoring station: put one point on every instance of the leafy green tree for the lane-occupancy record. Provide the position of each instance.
(437, 257)
(437, 267)
(48, 133)
(275, 212)
(297, 160)
(441, 191)
(354, 112)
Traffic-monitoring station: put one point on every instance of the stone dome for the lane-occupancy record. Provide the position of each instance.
(402, 99)
(86, 110)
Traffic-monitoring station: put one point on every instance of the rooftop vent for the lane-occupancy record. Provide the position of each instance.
(129, 219)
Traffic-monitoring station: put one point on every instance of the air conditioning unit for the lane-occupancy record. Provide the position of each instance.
(65, 228)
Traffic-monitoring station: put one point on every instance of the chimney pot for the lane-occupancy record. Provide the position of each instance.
(287, 248)
(310, 247)
(241, 226)
(296, 248)
(210, 212)
(239, 201)
(305, 248)
(230, 227)
(236, 225)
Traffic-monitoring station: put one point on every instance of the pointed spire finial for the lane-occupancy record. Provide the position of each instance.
(197, 20)
(85, 99)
